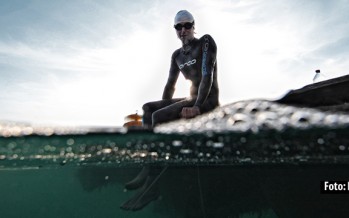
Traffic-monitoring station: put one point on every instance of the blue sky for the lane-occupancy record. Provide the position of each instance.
(89, 62)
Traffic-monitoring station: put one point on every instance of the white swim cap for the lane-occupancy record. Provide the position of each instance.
(183, 16)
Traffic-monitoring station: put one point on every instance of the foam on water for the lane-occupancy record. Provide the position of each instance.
(256, 115)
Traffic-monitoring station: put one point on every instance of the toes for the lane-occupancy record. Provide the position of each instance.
(127, 205)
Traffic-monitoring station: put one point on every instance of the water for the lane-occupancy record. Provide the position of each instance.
(248, 159)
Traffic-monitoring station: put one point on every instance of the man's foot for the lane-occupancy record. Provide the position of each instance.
(148, 193)
(139, 180)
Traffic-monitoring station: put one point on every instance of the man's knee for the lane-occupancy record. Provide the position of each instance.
(160, 116)
(145, 107)
(147, 115)
(156, 117)
(164, 115)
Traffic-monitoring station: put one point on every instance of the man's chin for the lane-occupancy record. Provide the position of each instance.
(185, 40)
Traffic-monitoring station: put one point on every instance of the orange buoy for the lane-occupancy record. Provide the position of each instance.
(134, 117)
(133, 120)
(133, 123)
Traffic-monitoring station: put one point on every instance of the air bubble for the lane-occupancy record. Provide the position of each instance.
(218, 145)
(70, 142)
(185, 151)
(320, 141)
(177, 143)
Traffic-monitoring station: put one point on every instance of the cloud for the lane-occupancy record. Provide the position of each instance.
(96, 61)
(65, 79)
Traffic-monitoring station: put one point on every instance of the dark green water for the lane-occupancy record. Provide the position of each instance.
(265, 174)
(61, 192)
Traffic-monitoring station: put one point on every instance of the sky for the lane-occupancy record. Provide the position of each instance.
(92, 62)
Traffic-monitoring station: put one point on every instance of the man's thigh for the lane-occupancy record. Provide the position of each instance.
(156, 105)
(171, 112)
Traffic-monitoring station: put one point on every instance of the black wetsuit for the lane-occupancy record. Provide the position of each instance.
(197, 62)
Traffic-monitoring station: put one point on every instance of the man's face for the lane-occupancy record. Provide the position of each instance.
(185, 31)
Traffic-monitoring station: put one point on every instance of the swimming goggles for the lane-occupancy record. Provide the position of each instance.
(187, 26)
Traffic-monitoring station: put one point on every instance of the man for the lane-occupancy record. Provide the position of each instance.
(196, 59)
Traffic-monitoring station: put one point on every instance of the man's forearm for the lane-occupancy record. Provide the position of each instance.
(204, 90)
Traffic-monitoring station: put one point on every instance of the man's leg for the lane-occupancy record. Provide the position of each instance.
(171, 112)
(167, 110)
(150, 107)
(148, 192)
(139, 180)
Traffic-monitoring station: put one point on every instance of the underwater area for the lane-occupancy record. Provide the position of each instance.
(248, 159)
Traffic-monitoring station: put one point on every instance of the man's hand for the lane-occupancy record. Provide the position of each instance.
(190, 112)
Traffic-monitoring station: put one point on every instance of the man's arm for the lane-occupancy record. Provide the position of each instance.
(209, 53)
(172, 78)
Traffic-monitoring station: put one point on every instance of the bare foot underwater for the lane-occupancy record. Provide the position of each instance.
(139, 180)
(147, 181)
(149, 192)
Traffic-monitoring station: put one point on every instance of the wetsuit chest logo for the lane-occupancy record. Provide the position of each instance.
(187, 63)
